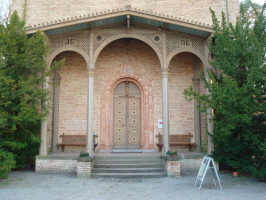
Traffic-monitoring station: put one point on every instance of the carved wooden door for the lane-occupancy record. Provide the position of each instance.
(126, 116)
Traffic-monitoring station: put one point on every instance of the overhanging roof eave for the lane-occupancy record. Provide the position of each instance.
(60, 23)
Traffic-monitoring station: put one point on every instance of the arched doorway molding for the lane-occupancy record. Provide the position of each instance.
(110, 91)
(133, 36)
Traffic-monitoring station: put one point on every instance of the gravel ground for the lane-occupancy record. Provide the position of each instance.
(33, 186)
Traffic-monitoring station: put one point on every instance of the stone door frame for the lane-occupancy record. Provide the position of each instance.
(127, 144)
(139, 86)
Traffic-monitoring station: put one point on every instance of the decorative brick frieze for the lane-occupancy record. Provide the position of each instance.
(77, 40)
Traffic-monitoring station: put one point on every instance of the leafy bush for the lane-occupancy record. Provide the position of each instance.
(23, 71)
(7, 162)
(237, 92)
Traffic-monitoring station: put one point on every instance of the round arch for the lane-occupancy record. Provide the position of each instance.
(61, 50)
(179, 51)
(122, 36)
(130, 79)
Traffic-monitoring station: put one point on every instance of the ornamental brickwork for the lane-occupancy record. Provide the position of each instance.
(39, 11)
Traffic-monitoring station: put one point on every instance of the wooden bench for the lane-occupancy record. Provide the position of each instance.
(182, 140)
(75, 140)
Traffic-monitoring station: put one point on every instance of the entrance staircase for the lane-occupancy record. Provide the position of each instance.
(129, 165)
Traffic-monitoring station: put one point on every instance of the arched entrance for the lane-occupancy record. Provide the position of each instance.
(134, 61)
(69, 99)
(184, 116)
(127, 116)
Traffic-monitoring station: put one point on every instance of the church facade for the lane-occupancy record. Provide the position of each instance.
(126, 66)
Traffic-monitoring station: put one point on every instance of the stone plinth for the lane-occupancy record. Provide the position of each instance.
(84, 169)
(55, 165)
(173, 168)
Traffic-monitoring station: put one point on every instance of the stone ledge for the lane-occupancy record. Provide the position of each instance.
(69, 166)
(55, 166)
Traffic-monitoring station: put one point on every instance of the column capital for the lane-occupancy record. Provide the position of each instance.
(165, 73)
(91, 72)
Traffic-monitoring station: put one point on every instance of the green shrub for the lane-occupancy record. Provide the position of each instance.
(23, 71)
(236, 86)
(7, 162)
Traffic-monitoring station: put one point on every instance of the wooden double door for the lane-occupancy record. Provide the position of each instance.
(127, 116)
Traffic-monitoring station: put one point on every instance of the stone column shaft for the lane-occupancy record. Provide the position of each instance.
(164, 69)
(209, 112)
(44, 127)
(210, 131)
(197, 129)
(165, 111)
(55, 116)
(90, 148)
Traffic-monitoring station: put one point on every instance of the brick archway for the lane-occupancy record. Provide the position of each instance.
(127, 60)
(132, 36)
(190, 51)
(52, 56)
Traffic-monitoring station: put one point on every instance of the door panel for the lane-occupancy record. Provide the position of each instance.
(120, 122)
(126, 116)
(133, 121)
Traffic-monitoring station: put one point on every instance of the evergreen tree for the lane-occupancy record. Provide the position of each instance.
(22, 74)
(237, 92)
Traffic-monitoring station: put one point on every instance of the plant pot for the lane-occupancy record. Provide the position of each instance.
(172, 155)
(235, 174)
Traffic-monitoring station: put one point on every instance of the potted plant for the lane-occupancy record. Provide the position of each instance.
(84, 165)
(171, 155)
(235, 173)
(84, 157)
(173, 164)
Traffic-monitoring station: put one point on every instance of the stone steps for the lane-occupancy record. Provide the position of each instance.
(129, 162)
(133, 165)
(128, 165)
(130, 175)
(127, 170)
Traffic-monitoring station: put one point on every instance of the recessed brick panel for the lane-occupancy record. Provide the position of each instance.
(73, 95)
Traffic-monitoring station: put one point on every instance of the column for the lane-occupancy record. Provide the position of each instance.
(44, 125)
(209, 122)
(197, 129)
(165, 110)
(210, 131)
(55, 114)
(90, 144)
(209, 110)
